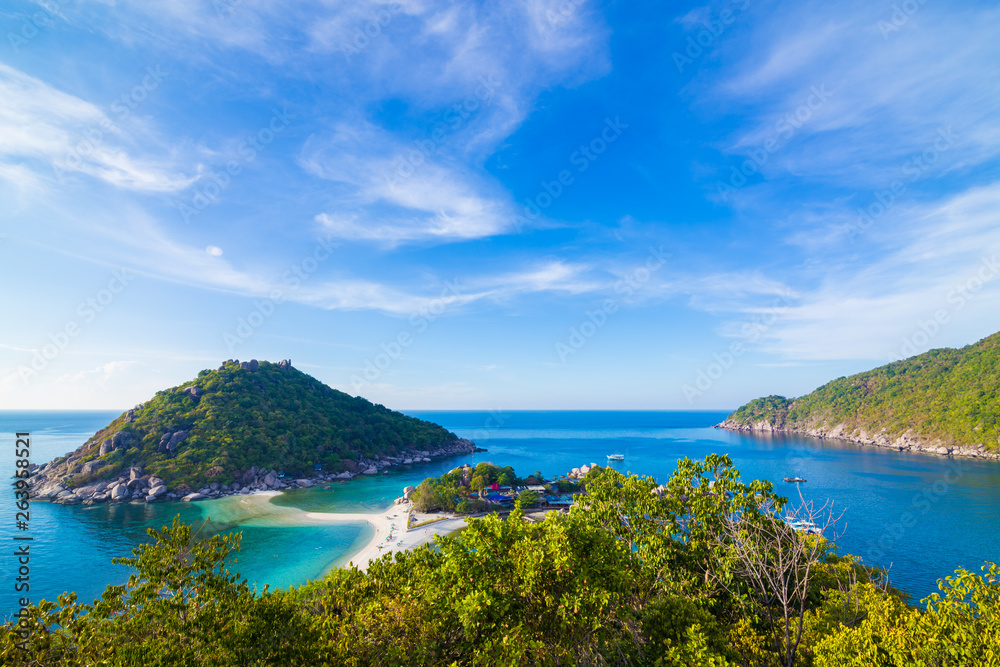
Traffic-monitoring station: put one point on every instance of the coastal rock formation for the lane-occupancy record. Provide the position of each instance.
(120, 440)
(581, 472)
(170, 441)
(907, 442)
(132, 484)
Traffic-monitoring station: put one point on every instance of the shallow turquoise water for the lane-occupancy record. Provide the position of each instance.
(906, 510)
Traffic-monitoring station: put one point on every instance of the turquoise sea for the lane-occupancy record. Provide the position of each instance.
(922, 515)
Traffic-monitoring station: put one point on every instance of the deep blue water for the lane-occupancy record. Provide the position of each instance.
(923, 515)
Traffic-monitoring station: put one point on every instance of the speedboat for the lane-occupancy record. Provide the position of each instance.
(616, 457)
(794, 480)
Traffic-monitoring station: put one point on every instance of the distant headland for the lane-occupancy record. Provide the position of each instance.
(945, 401)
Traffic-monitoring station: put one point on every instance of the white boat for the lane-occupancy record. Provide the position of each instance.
(802, 526)
(616, 457)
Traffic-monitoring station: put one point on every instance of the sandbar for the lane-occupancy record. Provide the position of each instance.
(390, 532)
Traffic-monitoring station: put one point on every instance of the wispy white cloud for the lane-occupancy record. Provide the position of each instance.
(745, 292)
(912, 104)
(890, 92)
(476, 77)
(398, 192)
(46, 134)
(943, 259)
(100, 376)
(153, 253)
(555, 276)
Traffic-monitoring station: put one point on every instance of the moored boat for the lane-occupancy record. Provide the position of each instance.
(803, 526)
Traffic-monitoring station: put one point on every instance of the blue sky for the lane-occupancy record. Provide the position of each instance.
(549, 205)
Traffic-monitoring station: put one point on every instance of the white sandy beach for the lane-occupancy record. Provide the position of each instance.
(390, 525)
(391, 533)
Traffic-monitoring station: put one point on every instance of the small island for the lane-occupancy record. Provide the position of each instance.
(244, 427)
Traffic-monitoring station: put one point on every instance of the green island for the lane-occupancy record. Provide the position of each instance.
(703, 569)
(246, 426)
(944, 401)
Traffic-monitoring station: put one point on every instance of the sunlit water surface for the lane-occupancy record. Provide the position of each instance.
(923, 515)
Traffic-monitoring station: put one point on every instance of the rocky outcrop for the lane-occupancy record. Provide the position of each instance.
(120, 440)
(253, 365)
(171, 440)
(53, 480)
(581, 472)
(907, 442)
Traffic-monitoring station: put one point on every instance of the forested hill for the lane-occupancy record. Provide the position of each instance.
(226, 421)
(943, 401)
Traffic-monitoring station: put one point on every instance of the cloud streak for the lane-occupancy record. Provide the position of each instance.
(46, 134)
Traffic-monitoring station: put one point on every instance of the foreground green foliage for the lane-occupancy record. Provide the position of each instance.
(182, 607)
(634, 574)
(961, 626)
(947, 394)
(272, 418)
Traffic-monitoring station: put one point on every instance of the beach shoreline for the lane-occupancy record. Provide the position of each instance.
(391, 532)
(390, 526)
